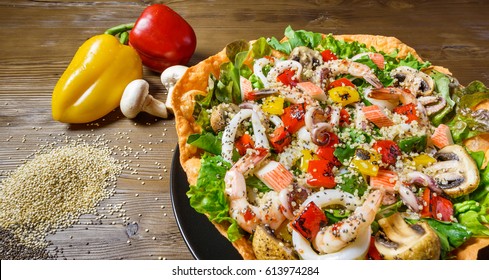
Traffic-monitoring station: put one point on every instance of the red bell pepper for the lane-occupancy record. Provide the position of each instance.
(310, 221)
(328, 55)
(344, 118)
(326, 152)
(426, 200)
(280, 139)
(373, 253)
(321, 172)
(244, 143)
(442, 208)
(409, 110)
(389, 151)
(162, 38)
(341, 82)
(436, 207)
(294, 117)
(287, 78)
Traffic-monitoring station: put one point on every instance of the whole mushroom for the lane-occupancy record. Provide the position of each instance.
(169, 78)
(136, 99)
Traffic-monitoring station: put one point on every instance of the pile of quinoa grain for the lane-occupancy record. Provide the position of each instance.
(50, 192)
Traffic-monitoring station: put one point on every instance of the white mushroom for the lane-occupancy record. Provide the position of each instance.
(136, 99)
(169, 78)
(455, 171)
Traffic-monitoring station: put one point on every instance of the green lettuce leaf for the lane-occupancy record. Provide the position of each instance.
(206, 141)
(233, 48)
(468, 123)
(260, 48)
(471, 220)
(203, 103)
(208, 196)
(352, 183)
(228, 87)
(452, 235)
(295, 39)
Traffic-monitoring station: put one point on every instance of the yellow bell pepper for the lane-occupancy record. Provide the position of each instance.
(92, 85)
(344, 95)
(367, 162)
(274, 105)
(306, 157)
(423, 161)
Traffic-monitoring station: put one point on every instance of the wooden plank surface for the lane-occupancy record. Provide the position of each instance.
(39, 39)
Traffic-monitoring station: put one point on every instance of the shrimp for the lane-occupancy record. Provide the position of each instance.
(392, 93)
(356, 69)
(268, 209)
(335, 237)
(403, 96)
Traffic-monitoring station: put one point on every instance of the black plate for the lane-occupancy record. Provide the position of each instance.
(203, 240)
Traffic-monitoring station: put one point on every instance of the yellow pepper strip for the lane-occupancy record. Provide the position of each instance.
(274, 105)
(367, 163)
(423, 161)
(306, 157)
(92, 85)
(344, 95)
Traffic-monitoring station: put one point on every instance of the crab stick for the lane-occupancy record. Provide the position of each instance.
(442, 136)
(312, 90)
(385, 179)
(246, 87)
(375, 115)
(275, 176)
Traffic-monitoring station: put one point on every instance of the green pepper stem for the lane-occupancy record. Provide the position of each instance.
(124, 37)
(119, 29)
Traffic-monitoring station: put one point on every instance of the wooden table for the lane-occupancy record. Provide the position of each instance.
(39, 38)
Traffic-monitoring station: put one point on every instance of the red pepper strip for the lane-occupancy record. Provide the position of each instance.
(426, 211)
(328, 55)
(162, 38)
(244, 143)
(373, 253)
(310, 221)
(280, 139)
(442, 208)
(389, 151)
(294, 117)
(409, 110)
(326, 152)
(436, 207)
(322, 174)
(287, 78)
(344, 118)
(341, 82)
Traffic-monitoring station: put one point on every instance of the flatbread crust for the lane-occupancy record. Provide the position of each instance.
(195, 82)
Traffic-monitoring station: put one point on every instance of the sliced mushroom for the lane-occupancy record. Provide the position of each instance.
(400, 241)
(416, 81)
(221, 114)
(309, 58)
(455, 172)
(268, 247)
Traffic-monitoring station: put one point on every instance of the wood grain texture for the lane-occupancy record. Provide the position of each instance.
(39, 39)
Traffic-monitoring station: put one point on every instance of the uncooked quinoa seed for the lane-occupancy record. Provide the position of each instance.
(52, 190)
